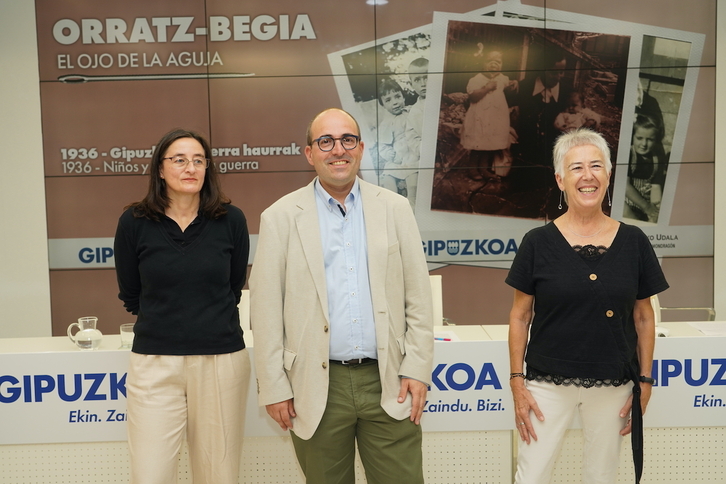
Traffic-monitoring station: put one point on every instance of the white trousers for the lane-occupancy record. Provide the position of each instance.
(204, 396)
(599, 410)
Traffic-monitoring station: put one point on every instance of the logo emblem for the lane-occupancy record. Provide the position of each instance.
(452, 247)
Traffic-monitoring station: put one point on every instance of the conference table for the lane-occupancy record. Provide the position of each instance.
(62, 413)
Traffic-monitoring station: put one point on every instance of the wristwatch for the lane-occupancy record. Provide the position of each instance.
(646, 379)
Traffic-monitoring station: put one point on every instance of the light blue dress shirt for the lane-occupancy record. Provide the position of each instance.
(345, 251)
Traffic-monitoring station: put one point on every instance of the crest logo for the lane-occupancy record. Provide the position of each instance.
(452, 247)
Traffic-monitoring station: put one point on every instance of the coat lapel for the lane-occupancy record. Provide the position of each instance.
(376, 214)
(308, 228)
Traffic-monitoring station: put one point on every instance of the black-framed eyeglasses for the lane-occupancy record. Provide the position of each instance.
(181, 162)
(347, 141)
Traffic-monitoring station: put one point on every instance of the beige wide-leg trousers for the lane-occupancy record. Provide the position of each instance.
(202, 396)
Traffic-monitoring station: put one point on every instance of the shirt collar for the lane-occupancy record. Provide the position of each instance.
(547, 94)
(331, 203)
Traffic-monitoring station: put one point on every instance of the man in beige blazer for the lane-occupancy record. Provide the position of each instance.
(330, 404)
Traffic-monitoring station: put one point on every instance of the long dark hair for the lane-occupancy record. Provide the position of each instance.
(211, 198)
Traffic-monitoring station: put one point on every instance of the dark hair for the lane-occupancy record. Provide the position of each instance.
(211, 198)
(551, 56)
(385, 86)
(648, 122)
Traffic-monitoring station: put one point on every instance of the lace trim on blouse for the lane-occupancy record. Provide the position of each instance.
(590, 253)
(533, 374)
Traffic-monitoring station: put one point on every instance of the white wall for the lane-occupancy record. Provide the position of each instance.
(24, 280)
(719, 247)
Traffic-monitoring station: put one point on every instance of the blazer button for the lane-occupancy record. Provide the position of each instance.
(609, 313)
(593, 277)
(325, 364)
(325, 328)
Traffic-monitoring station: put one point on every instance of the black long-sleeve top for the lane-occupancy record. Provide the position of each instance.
(184, 287)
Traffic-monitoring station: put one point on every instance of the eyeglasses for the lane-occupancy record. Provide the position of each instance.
(347, 141)
(181, 162)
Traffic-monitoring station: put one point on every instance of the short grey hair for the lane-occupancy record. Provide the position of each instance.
(579, 137)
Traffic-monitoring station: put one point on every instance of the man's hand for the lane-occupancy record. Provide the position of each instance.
(418, 391)
(282, 413)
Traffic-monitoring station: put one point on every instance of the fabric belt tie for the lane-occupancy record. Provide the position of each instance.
(353, 362)
(636, 434)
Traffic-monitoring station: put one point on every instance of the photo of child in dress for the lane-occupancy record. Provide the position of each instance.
(501, 92)
(486, 128)
(646, 171)
(396, 166)
(577, 115)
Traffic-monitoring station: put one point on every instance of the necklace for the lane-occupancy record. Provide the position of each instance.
(585, 236)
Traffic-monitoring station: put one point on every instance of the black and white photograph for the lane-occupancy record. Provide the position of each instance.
(391, 102)
(661, 78)
(385, 84)
(507, 93)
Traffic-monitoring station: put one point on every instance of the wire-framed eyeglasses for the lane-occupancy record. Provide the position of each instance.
(347, 141)
(181, 162)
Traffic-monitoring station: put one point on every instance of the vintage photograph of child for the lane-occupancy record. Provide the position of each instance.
(387, 83)
(507, 93)
(661, 78)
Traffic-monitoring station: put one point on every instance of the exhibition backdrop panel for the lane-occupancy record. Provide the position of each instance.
(66, 395)
(115, 77)
(482, 297)
(96, 289)
(110, 128)
(693, 287)
(89, 206)
(693, 202)
(258, 127)
(196, 36)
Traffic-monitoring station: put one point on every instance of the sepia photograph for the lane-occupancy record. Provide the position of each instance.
(507, 93)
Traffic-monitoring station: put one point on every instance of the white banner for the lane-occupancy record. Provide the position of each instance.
(470, 388)
(88, 253)
(691, 383)
(80, 396)
(73, 396)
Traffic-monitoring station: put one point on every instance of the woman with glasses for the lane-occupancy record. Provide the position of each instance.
(181, 261)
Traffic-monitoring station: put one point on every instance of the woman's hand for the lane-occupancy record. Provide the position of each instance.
(644, 319)
(645, 391)
(519, 319)
(524, 403)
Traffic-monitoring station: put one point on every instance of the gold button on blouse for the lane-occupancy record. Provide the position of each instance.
(593, 277)
(325, 328)
(609, 313)
(325, 364)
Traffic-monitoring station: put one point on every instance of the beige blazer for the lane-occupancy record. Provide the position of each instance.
(289, 303)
